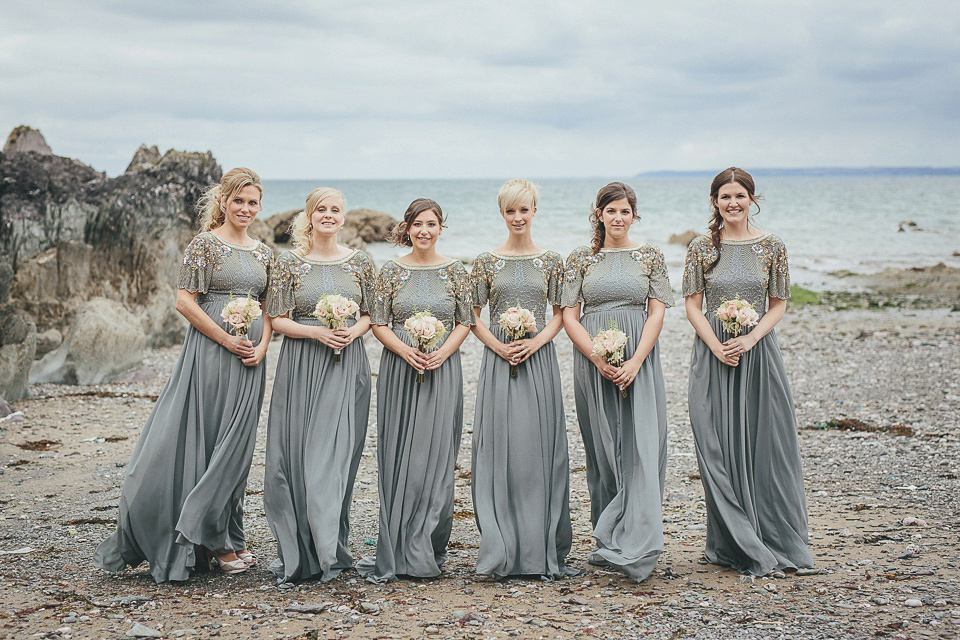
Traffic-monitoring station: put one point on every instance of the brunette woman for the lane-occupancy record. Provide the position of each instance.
(419, 399)
(183, 490)
(741, 408)
(321, 395)
(618, 282)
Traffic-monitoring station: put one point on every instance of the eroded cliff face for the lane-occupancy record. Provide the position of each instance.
(69, 233)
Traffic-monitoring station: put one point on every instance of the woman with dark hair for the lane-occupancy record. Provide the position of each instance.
(419, 399)
(620, 283)
(183, 490)
(741, 408)
(321, 394)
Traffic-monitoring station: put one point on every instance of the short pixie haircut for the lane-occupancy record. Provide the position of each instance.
(513, 191)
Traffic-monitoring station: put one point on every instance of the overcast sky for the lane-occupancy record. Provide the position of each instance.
(371, 89)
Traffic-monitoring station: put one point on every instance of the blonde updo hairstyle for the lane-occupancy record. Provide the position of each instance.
(513, 191)
(301, 229)
(399, 235)
(212, 207)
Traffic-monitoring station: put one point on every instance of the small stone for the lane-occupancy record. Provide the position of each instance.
(63, 630)
(881, 601)
(130, 599)
(914, 522)
(912, 602)
(747, 579)
(369, 607)
(431, 630)
(140, 631)
(772, 588)
(809, 571)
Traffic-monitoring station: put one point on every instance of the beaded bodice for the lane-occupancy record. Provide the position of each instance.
(616, 279)
(298, 282)
(211, 266)
(402, 291)
(748, 269)
(532, 281)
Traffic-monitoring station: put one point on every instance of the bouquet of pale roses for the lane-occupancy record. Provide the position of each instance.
(735, 315)
(333, 310)
(426, 331)
(609, 345)
(517, 322)
(240, 313)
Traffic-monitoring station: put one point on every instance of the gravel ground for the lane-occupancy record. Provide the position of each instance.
(878, 401)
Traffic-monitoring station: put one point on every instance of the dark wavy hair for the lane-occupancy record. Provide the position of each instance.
(606, 195)
(399, 234)
(727, 176)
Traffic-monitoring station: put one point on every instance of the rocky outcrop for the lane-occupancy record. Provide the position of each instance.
(105, 341)
(280, 224)
(371, 225)
(684, 238)
(25, 138)
(70, 233)
(18, 343)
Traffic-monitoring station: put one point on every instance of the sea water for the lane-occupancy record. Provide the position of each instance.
(830, 224)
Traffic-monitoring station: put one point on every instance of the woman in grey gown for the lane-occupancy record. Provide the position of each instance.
(619, 281)
(418, 423)
(520, 471)
(319, 407)
(741, 408)
(183, 490)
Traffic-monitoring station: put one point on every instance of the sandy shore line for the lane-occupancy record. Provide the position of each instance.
(881, 368)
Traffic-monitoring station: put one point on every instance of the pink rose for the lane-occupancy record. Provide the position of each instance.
(236, 319)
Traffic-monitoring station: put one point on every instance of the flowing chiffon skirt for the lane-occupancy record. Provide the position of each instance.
(520, 468)
(745, 431)
(625, 440)
(315, 437)
(418, 436)
(184, 486)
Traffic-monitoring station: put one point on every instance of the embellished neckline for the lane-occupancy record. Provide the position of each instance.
(744, 242)
(619, 249)
(525, 256)
(352, 253)
(233, 245)
(418, 267)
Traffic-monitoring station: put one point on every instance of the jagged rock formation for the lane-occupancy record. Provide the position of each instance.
(684, 238)
(25, 138)
(70, 233)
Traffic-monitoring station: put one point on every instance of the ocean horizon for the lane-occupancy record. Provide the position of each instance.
(830, 223)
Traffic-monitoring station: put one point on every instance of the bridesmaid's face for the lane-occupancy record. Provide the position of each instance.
(617, 216)
(425, 229)
(241, 210)
(328, 217)
(734, 202)
(519, 216)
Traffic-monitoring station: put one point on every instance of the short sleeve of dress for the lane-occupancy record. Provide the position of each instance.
(199, 262)
(554, 278)
(462, 295)
(281, 291)
(778, 284)
(366, 278)
(572, 293)
(480, 280)
(693, 275)
(659, 279)
(381, 311)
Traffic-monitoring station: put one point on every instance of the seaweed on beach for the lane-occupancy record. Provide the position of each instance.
(39, 445)
(852, 424)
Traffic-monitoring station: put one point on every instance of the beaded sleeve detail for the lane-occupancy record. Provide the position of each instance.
(616, 279)
(655, 267)
(401, 291)
(579, 261)
(297, 283)
(285, 280)
(213, 266)
(751, 270)
(203, 256)
(532, 281)
(458, 286)
(481, 278)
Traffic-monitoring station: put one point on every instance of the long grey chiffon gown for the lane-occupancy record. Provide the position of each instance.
(418, 424)
(183, 489)
(743, 419)
(625, 439)
(520, 470)
(318, 420)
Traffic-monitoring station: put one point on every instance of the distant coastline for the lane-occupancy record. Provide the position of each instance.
(813, 172)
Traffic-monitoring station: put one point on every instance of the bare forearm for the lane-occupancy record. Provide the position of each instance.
(483, 333)
(578, 335)
(388, 338)
(774, 314)
(187, 307)
(650, 334)
(693, 305)
(552, 328)
(455, 339)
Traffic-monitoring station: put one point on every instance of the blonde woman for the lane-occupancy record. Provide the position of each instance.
(320, 402)
(520, 467)
(182, 499)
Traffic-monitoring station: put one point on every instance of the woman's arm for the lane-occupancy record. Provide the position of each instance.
(693, 304)
(260, 351)
(413, 356)
(775, 312)
(449, 346)
(627, 372)
(520, 350)
(486, 336)
(187, 307)
(583, 342)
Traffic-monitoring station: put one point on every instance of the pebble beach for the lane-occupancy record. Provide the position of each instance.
(877, 395)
